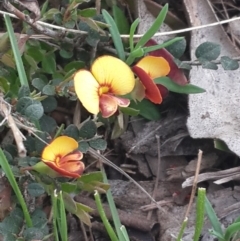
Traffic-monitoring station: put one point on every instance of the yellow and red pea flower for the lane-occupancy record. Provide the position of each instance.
(99, 89)
(147, 69)
(63, 157)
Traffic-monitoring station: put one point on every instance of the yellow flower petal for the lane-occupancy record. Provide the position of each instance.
(113, 72)
(86, 88)
(154, 66)
(60, 146)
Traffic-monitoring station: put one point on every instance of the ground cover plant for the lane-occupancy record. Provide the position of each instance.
(73, 77)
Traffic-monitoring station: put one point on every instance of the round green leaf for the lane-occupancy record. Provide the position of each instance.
(23, 91)
(83, 146)
(49, 104)
(39, 218)
(208, 51)
(88, 130)
(66, 54)
(34, 111)
(174, 87)
(72, 131)
(48, 124)
(35, 189)
(23, 103)
(38, 83)
(228, 63)
(49, 90)
(177, 48)
(98, 144)
(33, 234)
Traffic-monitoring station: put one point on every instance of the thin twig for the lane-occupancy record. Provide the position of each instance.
(95, 154)
(157, 176)
(197, 63)
(5, 111)
(194, 187)
(125, 36)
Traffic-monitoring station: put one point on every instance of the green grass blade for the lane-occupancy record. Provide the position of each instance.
(17, 56)
(200, 213)
(103, 216)
(154, 28)
(62, 218)
(231, 230)
(124, 232)
(160, 46)
(136, 53)
(181, 232)
(132, 31)
(55, 215)
(7, 169)
(112, 206)
(115, 35)
(213, 218)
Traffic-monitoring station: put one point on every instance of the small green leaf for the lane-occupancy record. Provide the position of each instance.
(74, 65)
(87, 12)
(49, 63)
(98, 144)
(34, 111)
(114, 34)
(33, 233)
(23, 91)
(47, 124)
(82, 214)
(72, 131)
(88, 130)
(49, 104)
(228, 63)
(35, 189)
(221, 145)
(182, 89)
(177, 48)
(66, 54)
(129, 111)
(120, 20)
(49, 90)
(147, 109)
(93, 37)
(208, 51)
(83, 146)
(39, 218)
(39, 83)
(154, 28)
(4, 85)
(90, 177)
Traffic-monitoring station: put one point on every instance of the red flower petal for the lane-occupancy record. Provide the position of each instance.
(151, 90)
(70, 169)
(108, 105)
(175, 73)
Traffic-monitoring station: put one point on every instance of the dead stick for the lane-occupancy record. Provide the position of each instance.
(5, 110)
(157, 176)
(194, 187)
